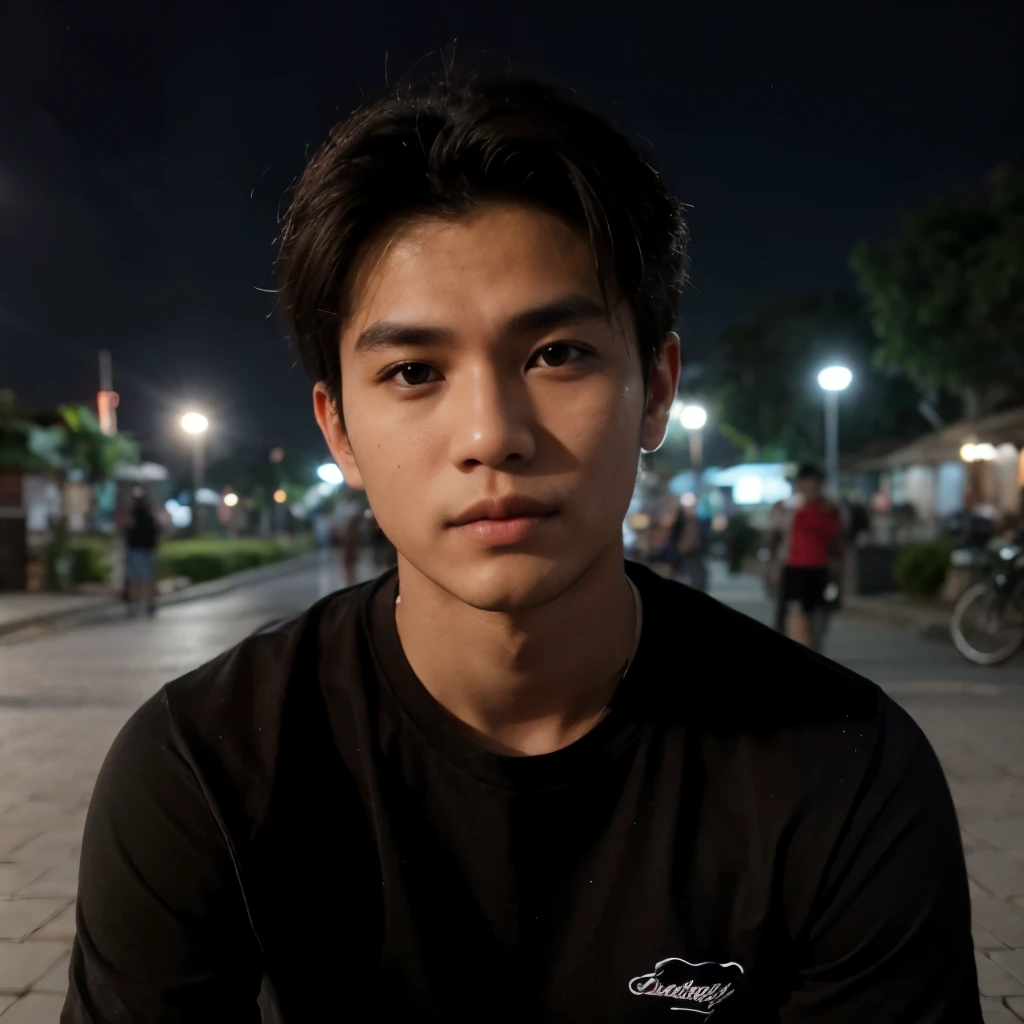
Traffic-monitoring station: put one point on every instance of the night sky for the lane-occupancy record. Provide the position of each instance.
(145, 149)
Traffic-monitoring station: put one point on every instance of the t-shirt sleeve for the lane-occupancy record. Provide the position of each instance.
(163, 931)
(890, 937)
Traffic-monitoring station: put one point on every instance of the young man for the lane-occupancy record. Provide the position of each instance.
(807, 540)
(484, 787)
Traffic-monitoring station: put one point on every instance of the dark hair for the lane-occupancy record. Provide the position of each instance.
(810, 471)
(444, 145)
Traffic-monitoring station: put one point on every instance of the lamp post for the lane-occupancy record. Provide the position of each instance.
(693, 418)
(832, 380)
(196, 424)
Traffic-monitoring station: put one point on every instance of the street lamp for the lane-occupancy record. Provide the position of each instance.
(196, 424)
(331, 474)
(832, 380)
(693, 419)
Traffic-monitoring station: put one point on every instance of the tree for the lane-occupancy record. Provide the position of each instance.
(67, 444)
(87, 452)
(24, 444)
(946, 294)
(764, 385)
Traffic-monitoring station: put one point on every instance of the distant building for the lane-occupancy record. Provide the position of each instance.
(973, 464)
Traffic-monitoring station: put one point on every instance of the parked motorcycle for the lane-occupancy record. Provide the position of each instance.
(987, 624)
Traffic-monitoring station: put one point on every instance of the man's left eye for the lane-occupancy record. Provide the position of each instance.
(557, 354)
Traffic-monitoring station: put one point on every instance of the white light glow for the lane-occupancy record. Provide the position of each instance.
(330, 473)
(194, 423)
(983, 452)
(693, 417)
(835, 378)
(748, 490)
(231, 500)
(181, 515)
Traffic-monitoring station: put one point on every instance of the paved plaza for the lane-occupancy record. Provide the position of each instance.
(64, 695)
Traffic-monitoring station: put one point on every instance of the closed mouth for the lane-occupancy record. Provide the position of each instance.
(505, 508)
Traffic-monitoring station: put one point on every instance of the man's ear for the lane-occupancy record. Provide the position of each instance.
(661, 393)
(333, 429)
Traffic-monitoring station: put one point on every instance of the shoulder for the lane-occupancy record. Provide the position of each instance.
(765, 712)
(233, 720)
(729, 676)
(771, 719)
(263, 668)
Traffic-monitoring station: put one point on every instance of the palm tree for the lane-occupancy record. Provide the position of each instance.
(88, 453)
(26, 446)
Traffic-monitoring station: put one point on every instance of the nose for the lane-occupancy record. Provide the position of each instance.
(493, 421)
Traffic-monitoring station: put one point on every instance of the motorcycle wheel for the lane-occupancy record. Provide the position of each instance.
(981, 614)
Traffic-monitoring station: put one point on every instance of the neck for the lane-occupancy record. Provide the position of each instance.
(527, 682)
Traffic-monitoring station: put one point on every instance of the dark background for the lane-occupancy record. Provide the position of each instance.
(145, 149)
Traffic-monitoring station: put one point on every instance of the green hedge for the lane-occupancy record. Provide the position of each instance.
(90, 559)
(204, 558)
(920, 569)
(199, 559)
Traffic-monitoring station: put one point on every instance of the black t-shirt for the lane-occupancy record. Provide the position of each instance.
(142, 530)
(753, 834)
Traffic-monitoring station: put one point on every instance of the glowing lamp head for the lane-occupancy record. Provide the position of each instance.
(835, 378)
(693, 417)
(194, 423)
(330, 473)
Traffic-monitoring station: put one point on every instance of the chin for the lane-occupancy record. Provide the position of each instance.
(512, 582)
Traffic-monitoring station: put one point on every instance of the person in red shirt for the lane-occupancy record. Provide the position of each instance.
(808, 532)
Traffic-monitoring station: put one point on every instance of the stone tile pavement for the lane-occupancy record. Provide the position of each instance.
(16, 607)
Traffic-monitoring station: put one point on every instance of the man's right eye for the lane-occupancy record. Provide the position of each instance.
(413, 375)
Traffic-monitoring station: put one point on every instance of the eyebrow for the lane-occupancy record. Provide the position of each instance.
(570, 309)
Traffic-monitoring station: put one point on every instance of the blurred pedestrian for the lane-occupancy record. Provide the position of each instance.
(858, 519)
(141, 537)
(683, 550)
(347, 535)
(692, 562)
(806, 546)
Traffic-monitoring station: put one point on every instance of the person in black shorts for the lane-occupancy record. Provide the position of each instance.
(807, 539)
(515, 778)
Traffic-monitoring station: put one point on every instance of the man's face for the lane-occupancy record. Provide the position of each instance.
(809, 487)
(492, 411)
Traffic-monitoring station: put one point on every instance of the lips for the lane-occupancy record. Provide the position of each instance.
(504, 508)
(505, 521)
